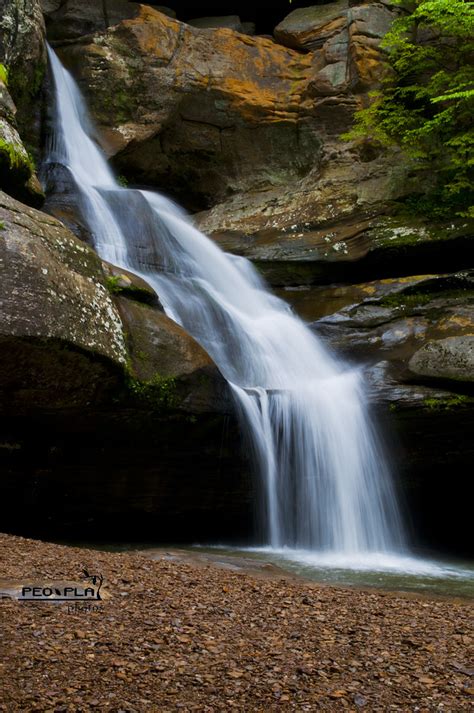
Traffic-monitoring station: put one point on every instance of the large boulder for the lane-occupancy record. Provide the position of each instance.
(170, 366)
(366, 26)
(60, 331)
(57, 301)
(308, 28)
(22, 68)
(345, 41)
(114, 422)
(451, 359)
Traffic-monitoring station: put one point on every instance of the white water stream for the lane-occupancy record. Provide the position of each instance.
(325, 481)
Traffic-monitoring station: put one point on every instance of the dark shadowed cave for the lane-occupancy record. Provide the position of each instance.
(265, 15)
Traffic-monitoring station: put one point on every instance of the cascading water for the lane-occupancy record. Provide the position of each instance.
(324, 477)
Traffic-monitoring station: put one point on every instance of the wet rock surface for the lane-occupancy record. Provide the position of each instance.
(396, 317)
(347, 251)
(125, 283)
(396, 330)
(164, 355)
(109, 410)
(171, 634)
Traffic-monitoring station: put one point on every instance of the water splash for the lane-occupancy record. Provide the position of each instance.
(324, 477)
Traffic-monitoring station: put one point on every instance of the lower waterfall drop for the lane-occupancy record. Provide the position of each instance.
(325, 481)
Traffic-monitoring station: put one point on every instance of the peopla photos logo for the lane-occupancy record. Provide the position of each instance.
(85, 591)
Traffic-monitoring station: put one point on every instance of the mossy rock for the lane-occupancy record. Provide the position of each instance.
(167, 367)
(353, 250)
(126, 283)
(23, 54)
(14, 159)
(53, 286)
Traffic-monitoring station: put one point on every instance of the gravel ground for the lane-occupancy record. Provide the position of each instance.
(170, 635)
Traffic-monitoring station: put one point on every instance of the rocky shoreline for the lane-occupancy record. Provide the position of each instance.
(174, 635)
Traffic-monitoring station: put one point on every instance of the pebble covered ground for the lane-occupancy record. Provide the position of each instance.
(173, 636)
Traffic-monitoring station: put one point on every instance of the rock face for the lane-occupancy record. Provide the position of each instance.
(22, 66)
(112, 418)
(16, 167)
(347, 251)
(175, 368)
(309, 28)
(74, 18)
(56, 297)
(414, 336)
(53, 286)
(239, 121)
(451, 359)
(180, 105)
(414, 327)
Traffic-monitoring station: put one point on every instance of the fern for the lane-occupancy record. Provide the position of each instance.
(426, 100)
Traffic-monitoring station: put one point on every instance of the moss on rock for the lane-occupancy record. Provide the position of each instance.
(160, 392)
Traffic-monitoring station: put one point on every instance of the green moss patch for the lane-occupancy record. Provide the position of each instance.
(413, 300)
(157, 393)
(3, 74)
(449, 403)
(17, 159)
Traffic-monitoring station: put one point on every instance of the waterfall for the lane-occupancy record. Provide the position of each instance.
(324, 478)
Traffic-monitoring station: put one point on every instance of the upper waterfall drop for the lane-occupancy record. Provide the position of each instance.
(324, 477)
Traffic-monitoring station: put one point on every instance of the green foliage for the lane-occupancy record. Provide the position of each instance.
(122, 181)
(113, 284)
(3, 74)
(2, 225)
(426, 101)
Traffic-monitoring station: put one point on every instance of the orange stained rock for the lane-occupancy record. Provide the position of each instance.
(456, 322)
(255, 75)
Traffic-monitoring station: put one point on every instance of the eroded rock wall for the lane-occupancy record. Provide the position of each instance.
(218, 117)
(22, 63)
